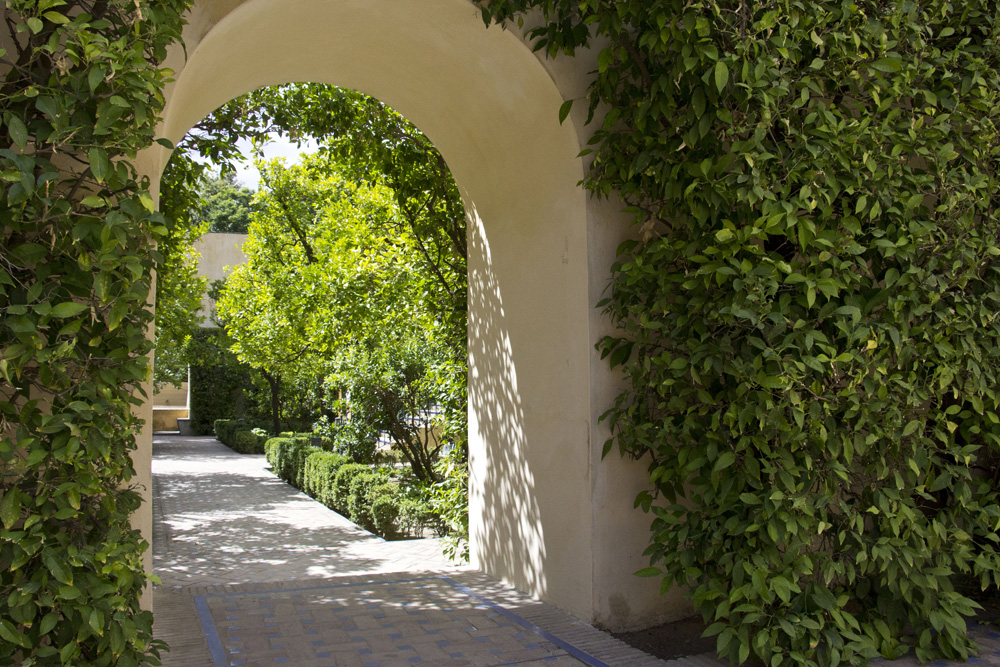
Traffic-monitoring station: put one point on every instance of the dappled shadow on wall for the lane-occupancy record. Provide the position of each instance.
(508, 537)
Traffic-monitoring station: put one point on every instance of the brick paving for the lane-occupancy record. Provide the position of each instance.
(256, 573)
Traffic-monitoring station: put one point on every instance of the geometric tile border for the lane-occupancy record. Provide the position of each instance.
(419, 620)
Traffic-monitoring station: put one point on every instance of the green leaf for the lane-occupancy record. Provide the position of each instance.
(772, 381)
(96, 622)
(18, 131)
(9, 633)
(68, 309)
(59, 571)
(564, 110)
(888, 64)
(99, 163)
(10, 507)
(724, 235)
(724, 461)
(721, 75)
(49, 621)
(648, 572)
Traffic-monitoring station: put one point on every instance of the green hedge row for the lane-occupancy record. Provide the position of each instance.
(364, 493)
(237, 436)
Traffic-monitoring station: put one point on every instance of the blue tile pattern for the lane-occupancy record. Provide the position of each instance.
(377, 615)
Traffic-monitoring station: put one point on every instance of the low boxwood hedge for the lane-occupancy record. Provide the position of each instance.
(364, 493)
(320, 470)
(248, 442)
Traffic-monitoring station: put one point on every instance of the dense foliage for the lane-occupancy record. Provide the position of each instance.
(335, 286)
(808, 311)
(226, 204)
(79, 97)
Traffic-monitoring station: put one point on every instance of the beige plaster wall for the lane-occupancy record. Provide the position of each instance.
(217, 254)
(547, 515)
(171, 396)
(165, 418)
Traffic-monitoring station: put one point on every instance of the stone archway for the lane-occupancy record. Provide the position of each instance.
(546, 515)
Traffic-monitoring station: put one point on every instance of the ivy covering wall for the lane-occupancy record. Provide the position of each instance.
(809, 307)
(79, 96)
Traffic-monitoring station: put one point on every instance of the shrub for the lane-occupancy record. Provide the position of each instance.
(249, 442)
(342, 485)
(300, 451)
(385, 510)
(222, 429)
(449, 498)
(415, 514)
(271, 449)
(321, 469)
(364, 489)
(279, 452)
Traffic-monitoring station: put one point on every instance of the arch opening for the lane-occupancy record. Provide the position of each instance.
(541, 508)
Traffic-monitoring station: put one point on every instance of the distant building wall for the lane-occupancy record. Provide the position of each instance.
(219, 254)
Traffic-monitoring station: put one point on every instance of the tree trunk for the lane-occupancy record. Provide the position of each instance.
(274, 383)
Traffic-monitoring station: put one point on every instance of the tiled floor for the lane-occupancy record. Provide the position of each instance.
(255, 573)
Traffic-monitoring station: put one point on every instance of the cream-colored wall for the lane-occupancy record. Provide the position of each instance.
(165, 418)
(547, 515)
(217, 254)
(171, 396)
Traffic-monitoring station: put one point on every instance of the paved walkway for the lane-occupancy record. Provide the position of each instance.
(256, 573)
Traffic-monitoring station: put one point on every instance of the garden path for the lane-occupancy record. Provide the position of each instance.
(256, 573)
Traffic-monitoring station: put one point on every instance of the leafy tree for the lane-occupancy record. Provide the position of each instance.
(265, 304)
(325, 281)
(178, 300)
(808, 312)
(366, 140)
(226, 205)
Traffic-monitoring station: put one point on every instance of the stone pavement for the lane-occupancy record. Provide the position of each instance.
(256, 573)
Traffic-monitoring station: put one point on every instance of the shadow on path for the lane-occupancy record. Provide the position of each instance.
(256, 573)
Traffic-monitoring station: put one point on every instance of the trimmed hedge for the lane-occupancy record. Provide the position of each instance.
(365, 494)
(386, 510)
(248, 442)
(364, 490)
(284, 455)
(238, 437)
(342, 485)
(225, 430)
(321, 469)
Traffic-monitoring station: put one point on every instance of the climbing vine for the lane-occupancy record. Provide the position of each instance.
(808, 312)
(80, 92)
